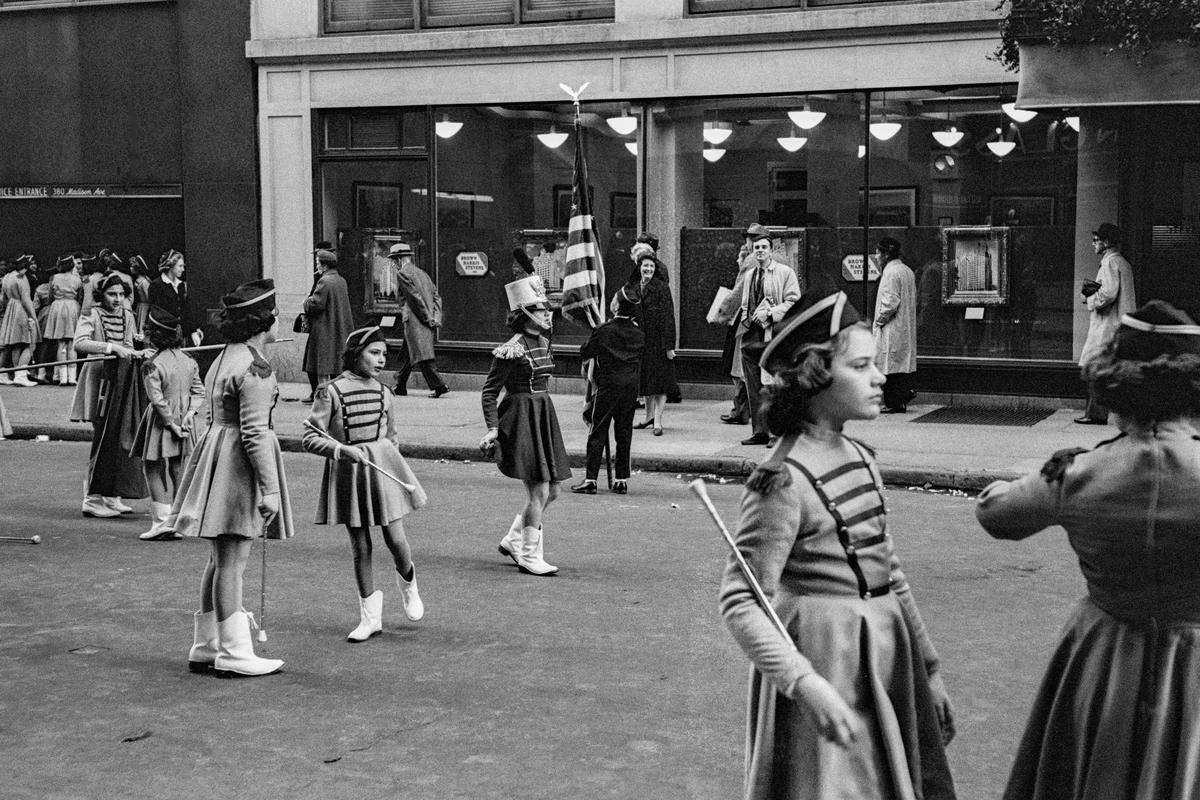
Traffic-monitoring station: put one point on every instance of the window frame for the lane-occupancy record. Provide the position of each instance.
(520, 14)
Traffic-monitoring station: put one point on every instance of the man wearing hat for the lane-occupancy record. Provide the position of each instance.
(330, 321)
(422, 315)
(769, 289)
(1115, 298)
(729, 313)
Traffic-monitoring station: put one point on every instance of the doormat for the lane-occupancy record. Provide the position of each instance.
(975, 415)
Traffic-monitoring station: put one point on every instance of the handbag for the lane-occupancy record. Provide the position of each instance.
(301, 324)
(1089, 287)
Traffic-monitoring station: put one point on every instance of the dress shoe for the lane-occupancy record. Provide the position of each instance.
(730, 419)
(438, 392)
(308, 399)
(643, 425)
(587, 487)
(1090, 421)
(620, 487)
(758, 438)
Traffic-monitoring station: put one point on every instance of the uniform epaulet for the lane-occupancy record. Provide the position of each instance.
(1057, 464)
(513, 348)
(322, 392)
(773, 473)
(259, 367)
(147, 367)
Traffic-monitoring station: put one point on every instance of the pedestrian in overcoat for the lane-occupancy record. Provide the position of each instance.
(422, 315)
(330, 320)
(895, 327)
(657, 321)
(1114, 297)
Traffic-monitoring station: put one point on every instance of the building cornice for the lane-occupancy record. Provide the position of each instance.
(947, 17)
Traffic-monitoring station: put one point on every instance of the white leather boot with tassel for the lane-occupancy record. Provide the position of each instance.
(414, 609)
(510, 545)
(235, 651)
(530, 559)
(203, 654)
(370, 617)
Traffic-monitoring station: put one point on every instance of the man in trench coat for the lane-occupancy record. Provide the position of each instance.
(330, 320)
(895, 327)
(422, 315)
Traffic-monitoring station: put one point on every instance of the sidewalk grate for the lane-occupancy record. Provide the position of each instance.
(974, 415)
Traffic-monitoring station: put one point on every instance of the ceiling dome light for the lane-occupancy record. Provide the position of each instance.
(624, 124)
(1000, 147)
(949, 137)
(792, 143)
(553, 139)
(884, 130)
(631, 147)
(807, 119)
(862, 150)
(1017, 114)
(714, 154)
(717, 132)
(1073, 122)
(445, 128)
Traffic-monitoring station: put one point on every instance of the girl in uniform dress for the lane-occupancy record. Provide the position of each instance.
(1116, 715)
(525, 426)
(174, 393)
(357, 410)
(66, 292)
(852, 704)
(18, 328)
(233, 489)
(109, 395)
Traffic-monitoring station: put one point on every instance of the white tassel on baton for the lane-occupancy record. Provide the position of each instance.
(701, 491)
(408, 487)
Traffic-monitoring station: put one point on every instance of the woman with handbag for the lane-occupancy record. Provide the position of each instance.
(329, 317)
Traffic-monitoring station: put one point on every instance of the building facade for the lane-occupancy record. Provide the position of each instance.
(130, 125)
(444, 123)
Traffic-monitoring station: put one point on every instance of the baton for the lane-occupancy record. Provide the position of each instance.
(701, 491)
(88, 359)
(408, 487)
(262, 591)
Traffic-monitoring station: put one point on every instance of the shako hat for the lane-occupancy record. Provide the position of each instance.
(364, 336)
(1156, 329)
(249, 297)
(160, 318)
(526, 293)
(400, 249)
(816, 317)
(627, 302)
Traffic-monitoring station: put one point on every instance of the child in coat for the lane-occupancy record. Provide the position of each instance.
(165, 438)
(352, 422)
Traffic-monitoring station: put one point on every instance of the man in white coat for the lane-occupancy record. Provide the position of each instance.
(1114, 298)
(895, 327)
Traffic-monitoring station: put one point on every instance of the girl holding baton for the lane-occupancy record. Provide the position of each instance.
(851, 703)
(353, 425)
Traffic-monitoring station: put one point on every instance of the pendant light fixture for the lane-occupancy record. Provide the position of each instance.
(714, 154)
(884, 130)
(631, 147)
(793, 142)
(624, 124)
(717, 132)
(950, 136)
(862, 150)
(1073, 122)
(807, 119)
(1017, 114)
(1000, 147)
(445, 128)
(553, 139)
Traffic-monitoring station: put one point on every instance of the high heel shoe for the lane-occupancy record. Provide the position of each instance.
(643, 425)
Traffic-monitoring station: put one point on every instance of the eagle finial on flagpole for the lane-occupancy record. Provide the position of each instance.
(574, 94)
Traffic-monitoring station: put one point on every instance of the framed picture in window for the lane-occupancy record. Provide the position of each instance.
(891, 207)
(562, 204)
(380, 284)
(622, 208)
(975, 266)
(1014, 211)
(376, 205)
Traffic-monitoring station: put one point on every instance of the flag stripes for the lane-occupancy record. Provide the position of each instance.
(583, 274)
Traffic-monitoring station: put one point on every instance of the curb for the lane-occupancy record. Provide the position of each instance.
(723, 466)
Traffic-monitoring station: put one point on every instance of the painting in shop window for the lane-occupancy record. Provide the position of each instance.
(376, 205)
(975, 266)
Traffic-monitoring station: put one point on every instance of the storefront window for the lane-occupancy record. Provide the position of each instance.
(376, 15)
(501, 185)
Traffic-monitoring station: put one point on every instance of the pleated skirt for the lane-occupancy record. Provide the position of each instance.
(1117, 716)
(218, 493)
(61, 319)
(358, 496)
(15, 328)
(154, 442)
(530, 441)
(866, 650)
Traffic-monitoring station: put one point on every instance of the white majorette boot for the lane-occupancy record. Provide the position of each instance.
(414, 609)
(116, 505)
(530, 559)
(370, 617)
(21, 378)
(510, 545)
(157, 530)
(72, 374)
(204, 641)
(94, 506)
(60, 375)
(235, 651)
(5, 379)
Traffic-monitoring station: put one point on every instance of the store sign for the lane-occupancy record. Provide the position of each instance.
(53, 191)
(471, 265)
(852, 268)
(68, 191)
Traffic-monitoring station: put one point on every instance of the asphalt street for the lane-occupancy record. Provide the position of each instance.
(615, 679)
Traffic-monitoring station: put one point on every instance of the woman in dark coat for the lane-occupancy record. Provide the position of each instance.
(170, 293)
(330, 321)
(657, 321)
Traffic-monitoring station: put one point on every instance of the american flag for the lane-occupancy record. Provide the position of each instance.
(583, 274)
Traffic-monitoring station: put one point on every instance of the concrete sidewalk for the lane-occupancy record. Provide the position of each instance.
(955, 456)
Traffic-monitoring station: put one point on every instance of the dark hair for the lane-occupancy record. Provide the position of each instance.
(786, 405)
(350, 355)
(98, 292)
(163, 339)
(648, 238)
(66, 264)
(1165, 387)
(238, 327)
(516, 321)
(889, 247)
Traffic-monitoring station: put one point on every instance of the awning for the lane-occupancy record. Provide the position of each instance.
(1082, 75)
